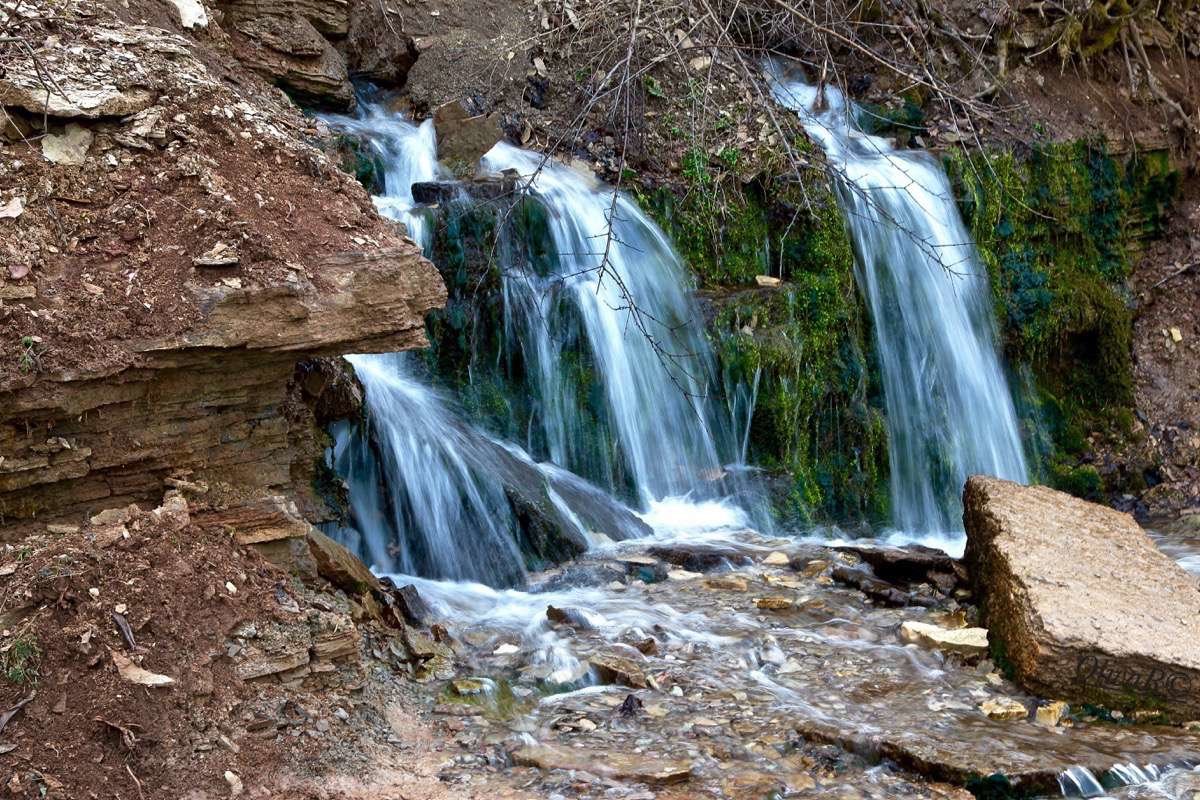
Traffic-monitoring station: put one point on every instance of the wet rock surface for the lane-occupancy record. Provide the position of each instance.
(1081, 602)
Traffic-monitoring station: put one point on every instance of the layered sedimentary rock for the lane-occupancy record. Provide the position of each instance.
(313, 49)
(158, 288)
(1079, 600)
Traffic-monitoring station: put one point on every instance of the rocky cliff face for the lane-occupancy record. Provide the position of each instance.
(172, 245)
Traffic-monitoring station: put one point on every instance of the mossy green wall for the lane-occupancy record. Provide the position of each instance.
(1059, 227)
(817, 426)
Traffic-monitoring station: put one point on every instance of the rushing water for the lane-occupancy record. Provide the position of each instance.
(425, 493)
(615, 274)
(422, 488)
(427, 500)
(949, 410)
(409, 155)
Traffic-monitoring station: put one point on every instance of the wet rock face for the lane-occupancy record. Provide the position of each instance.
(1079, 600)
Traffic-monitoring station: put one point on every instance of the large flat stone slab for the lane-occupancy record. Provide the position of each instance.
(1079, 600)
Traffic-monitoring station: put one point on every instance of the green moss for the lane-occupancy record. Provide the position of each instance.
(1058, 228)
(474, 354)
(720, 230)
(357, 157)
(902, 119)
(801, 349)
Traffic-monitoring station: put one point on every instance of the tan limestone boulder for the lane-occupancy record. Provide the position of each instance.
(464, 139)
(1079, 600)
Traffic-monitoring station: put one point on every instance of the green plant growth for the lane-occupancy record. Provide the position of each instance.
(358, 158)
(817, 426)
(482, 361)
(19, 660)
(1058, 229)
(31, 354)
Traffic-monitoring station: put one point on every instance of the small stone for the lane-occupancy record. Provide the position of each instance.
(967, 641)
(1051, 714)
(812, 569)
(229, 587)
(69, 147)
(774, 603)
(235, 784)
(767, 281)
(219, 255)
(94, 592)
(614, 668)
(683, 575)
(13, 208)
(120, 608)
(341, 714)
(776, 559)
(729, 583)
(506, 649)
(1003, 708)
(468, 687)
(1176, 335)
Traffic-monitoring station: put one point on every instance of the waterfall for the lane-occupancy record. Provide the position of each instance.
(616, 276)
(421, 484)
(420, 472)
(409, 155)
(430, 494)
(949, 410)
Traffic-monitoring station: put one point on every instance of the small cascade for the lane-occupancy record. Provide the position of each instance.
(422, 485)
(433, 496)
(409, 155)
(615, 276)
(1079, 782)
(949, 410)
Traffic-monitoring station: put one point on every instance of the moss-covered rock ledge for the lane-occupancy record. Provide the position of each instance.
(799, 351)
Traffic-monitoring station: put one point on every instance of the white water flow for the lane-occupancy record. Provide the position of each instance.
(422, 485)
(617, 277)
(426, 490)
(409, 155)
(949, 410)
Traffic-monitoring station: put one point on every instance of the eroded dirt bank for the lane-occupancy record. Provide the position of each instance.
(174, 245)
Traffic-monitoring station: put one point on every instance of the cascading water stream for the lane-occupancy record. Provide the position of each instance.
(428, 477)
(949, 410)
(426, 498)
(420, 487)
(616, 275)
(409, 155)
(425, 493)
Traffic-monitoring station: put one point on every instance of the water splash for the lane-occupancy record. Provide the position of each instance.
(1079, 782)
(423, 490)
(949, 410)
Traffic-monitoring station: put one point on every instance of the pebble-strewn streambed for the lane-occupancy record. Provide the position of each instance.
(737, 667)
